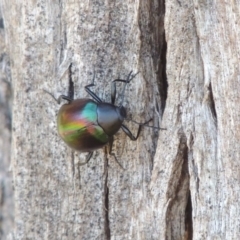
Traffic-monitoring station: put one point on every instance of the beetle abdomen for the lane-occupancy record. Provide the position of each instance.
(78, 126)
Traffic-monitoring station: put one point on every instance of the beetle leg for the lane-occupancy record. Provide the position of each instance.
(113, 86)
(58, 100)
(128, 132)
(113, 154)
(67, 98)
(70, 96)
(91, 93)
(113, 89)
(87, 160)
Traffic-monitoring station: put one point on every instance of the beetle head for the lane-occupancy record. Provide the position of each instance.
(122, 112)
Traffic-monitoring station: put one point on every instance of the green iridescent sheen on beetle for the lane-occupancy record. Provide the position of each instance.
(78, 120)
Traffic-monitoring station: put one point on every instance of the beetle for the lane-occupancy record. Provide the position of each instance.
(88, 124)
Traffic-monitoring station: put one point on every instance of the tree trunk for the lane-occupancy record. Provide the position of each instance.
(6, 193)
(178, 183)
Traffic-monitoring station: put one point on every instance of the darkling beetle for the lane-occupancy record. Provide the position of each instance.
(86, 125)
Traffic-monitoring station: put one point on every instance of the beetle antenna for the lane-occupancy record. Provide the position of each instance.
(144, 125)
(129, 79)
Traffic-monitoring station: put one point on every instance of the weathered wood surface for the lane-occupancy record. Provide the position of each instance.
(182, 183)
(6, 193)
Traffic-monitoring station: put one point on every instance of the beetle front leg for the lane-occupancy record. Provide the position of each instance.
(128, 132)
(113, 86)
(114, 89)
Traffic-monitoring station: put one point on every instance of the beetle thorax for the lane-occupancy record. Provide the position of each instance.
(110, 117)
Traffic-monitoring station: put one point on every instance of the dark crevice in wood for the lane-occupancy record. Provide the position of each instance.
(107, 226)
(188, 208)
(153, 45)
(162, 51)
(6, 95)
(163, 75)
(1, 23)
(2, 197)
(178, 195)
(212, 102)
(73, 167)
(63, 30)
(188, 219)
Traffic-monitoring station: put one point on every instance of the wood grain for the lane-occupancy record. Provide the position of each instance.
(179, 183)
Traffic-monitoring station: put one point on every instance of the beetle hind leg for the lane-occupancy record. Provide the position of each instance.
(89, 156)
(113, 154)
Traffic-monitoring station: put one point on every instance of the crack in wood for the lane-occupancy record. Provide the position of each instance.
(188, 219)
(163, 88)
(106, 194)
(212, 102)
(179, 220)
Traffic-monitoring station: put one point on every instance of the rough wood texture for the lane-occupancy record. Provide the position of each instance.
(6, 193)
(189, 189)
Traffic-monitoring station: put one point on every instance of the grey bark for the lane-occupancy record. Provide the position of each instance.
(6, 193)
(181, 183)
